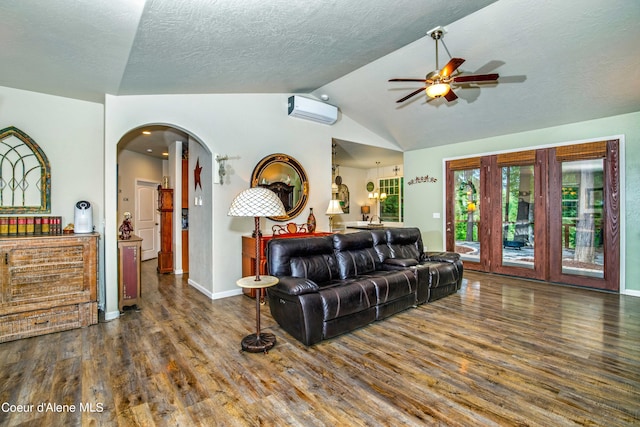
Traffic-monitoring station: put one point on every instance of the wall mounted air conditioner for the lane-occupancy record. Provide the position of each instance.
(310, 109)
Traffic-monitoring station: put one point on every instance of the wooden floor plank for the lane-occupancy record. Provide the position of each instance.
(502, 351)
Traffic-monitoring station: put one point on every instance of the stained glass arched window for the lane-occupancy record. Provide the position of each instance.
(25, 177)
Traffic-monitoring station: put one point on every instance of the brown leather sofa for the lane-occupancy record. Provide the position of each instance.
(334, 284)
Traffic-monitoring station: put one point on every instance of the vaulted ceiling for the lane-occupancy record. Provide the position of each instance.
(559, 61)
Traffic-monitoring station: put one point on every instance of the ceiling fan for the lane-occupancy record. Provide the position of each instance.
(438, 83)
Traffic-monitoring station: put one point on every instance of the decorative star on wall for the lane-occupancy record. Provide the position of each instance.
(196, 175)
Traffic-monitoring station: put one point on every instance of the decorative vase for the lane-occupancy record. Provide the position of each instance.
(311, 221)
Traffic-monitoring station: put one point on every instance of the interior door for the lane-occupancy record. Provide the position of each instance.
(146, 222)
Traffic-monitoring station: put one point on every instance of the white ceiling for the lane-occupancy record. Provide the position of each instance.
(559, 61)
(83, 49)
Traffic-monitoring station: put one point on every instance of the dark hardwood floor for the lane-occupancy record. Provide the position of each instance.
(502, 351)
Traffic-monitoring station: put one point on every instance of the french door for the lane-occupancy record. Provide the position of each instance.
(549, 214)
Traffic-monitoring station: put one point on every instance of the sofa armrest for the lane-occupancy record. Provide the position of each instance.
(300, 315)
(401, 262)
(441, 256)
(296, 285)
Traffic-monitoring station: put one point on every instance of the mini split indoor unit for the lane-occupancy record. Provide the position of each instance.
(310, 109)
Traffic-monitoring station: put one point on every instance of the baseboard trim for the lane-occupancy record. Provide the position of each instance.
(112, 315)
(226, 294)
(211, 295)
(200, 288)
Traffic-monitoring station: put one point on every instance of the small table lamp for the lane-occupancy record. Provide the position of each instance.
(365, 211)
(257, 202)
(333, 209)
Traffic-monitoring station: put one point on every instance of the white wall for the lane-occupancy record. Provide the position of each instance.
(246, 127)
(131, 167)
(200, 224)
(70, 132)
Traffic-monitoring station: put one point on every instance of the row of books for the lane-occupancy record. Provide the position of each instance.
(30, 225)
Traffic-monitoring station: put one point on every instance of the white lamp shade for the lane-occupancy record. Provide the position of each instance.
(256, 201)
(437, 90)
(334, 208)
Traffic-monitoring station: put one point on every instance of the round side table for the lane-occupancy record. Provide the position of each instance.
(258, 342)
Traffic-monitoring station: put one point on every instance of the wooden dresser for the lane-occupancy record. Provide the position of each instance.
(249, 254)
(47, 284)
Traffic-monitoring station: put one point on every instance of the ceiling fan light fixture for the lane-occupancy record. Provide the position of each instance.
(437, 83)
(437, 90)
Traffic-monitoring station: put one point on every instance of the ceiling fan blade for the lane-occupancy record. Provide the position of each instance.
(410, 95)
(451, 66)
(406, 80)
(476, 78)
(450, 96)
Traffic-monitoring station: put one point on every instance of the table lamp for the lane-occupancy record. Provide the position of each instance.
(257, 202)
(333, 209)
(365, 211)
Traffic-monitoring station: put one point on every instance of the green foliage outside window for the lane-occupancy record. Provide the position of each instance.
(392, 208)
(467, 205)
(571, 205)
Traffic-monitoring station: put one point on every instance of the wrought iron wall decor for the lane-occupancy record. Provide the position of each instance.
(25, 175)
(422, 179)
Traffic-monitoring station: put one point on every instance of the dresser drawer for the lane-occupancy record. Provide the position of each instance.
(38, 322)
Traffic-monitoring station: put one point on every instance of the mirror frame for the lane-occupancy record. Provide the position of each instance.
(295, 165)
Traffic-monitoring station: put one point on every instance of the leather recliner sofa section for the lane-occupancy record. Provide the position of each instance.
(334, 284)
(439, 273)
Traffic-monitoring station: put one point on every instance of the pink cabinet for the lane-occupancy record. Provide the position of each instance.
(129, 271)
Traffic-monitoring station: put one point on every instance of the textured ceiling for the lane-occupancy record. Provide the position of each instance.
(83, 49)
(559, 61)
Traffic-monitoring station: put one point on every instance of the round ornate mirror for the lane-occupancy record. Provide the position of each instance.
(284, 176)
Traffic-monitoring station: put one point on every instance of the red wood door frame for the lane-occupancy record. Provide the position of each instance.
(547, 218)
(611, 221)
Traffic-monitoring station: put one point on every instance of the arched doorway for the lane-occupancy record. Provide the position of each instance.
(153, 154)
